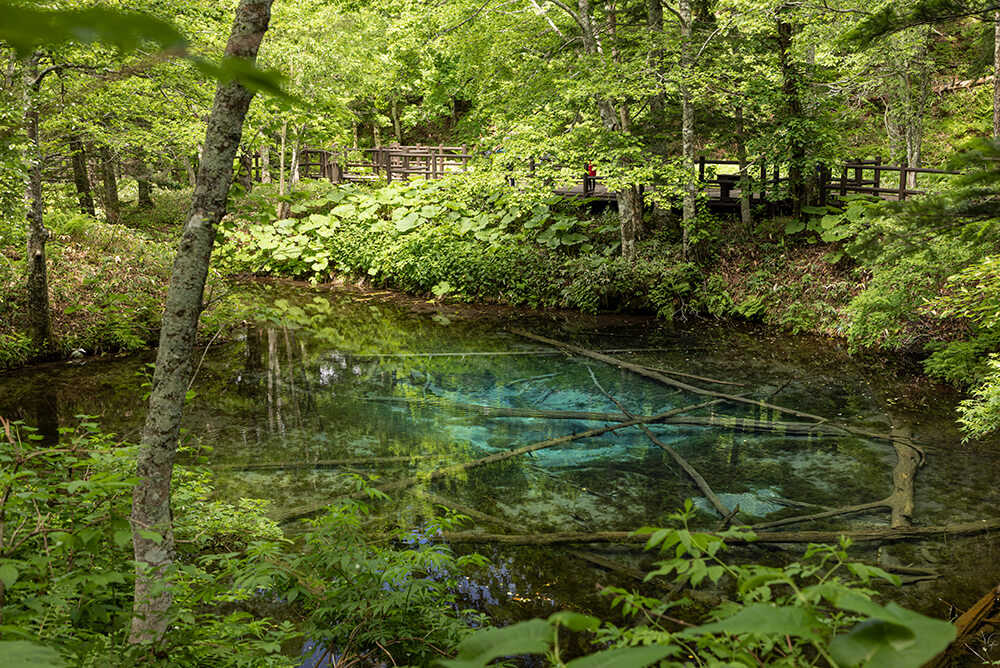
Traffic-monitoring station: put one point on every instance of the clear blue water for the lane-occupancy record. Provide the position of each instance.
(340, 382)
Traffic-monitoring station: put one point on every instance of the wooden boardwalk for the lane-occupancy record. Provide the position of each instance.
(718, 180)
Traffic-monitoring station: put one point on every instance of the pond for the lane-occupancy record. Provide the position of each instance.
(335, 381)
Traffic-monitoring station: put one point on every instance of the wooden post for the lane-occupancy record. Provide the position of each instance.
(465, 158)
(387, 157)
(843, 182)
(878, 174)
(858, 172)
(701, 169)
(822, 184)
(901, 194)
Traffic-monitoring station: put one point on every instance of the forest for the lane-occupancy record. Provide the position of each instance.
(499, 332)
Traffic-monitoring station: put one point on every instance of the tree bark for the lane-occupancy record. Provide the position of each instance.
(265, 163)
(996, 76)
(39, 317)
(145, 194)
(80, 178)
(688, 214)
(155, 552)
(112, 207)
(741, 156)
(791, 84)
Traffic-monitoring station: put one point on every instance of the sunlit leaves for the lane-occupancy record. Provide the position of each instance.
(25, 27)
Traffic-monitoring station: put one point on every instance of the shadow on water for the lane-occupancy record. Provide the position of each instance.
(339, 382)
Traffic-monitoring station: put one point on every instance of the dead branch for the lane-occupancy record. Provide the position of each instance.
(698, 479)
(309, 509)
(862, 536)
(653, 375)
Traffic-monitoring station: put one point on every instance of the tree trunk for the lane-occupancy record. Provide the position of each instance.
(265, 163)
(282, 206)
(296, 159)
(791, 84)
(191, 174)
(151, 498)
(741, 156)
(145, 194)
(630, 213)
(80, 178)
(112, 207)
(39, 318)
(996, 76)
(688, 214)
(397, 127)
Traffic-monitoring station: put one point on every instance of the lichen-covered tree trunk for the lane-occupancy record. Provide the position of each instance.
(39, 318)
(80, 178)
(996, 76)
(791, 85)
(741, 156)
(688, 214)
(112, 206)
(155, 551)
(265, 162)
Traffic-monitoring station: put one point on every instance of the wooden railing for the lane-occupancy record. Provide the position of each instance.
(394, 162)
(766, 183)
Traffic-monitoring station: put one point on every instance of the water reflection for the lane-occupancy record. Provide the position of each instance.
(333, 383)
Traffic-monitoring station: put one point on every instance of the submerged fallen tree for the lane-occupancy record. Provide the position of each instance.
(858, 536)
(311, 509)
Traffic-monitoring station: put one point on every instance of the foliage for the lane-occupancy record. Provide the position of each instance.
(66, 569)
(818, 611)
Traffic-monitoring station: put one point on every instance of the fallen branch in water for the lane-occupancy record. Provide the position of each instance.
(868, 535)
(654, 375)
(326, 463)
(715, 421)
(966, 626)
(692, 472)
(385, 488)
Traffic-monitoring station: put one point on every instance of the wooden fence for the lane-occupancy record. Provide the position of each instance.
(767, 184)
(393, 162)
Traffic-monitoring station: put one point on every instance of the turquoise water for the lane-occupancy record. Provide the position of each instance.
(345, 382)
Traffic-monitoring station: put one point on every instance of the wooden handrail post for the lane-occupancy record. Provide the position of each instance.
(878, 174)
(822, 184)
(701, 169)
(901, 194)
(858, 171)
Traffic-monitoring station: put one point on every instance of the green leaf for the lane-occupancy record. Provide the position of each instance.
(624, 657)
(896, 638)
(574, 621)
(765, 619)
(151, 535)
(26, 28)
(793, 226)
(21, 653)
(8, 574)
(531, 637)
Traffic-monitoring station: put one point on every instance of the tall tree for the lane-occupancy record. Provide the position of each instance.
(38, 281)
(152, 537)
